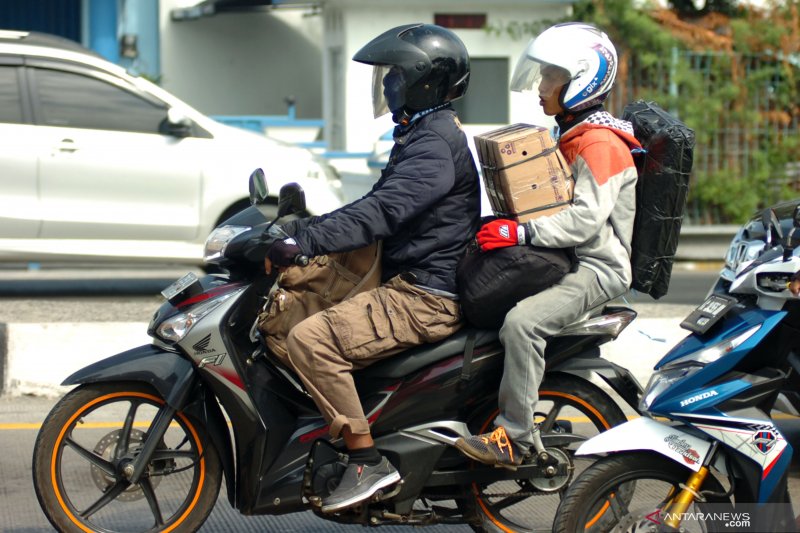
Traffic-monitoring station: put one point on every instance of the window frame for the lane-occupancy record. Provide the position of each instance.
(8, 60)
(32, 65)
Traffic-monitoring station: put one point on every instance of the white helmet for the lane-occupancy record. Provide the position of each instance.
(585, 61)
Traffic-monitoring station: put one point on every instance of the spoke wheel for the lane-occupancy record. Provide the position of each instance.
(566, 405)
(630, 492)
(82, 450)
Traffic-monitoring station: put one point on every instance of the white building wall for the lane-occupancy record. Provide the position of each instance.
(363, 20)
(243, 63)
(247, 63)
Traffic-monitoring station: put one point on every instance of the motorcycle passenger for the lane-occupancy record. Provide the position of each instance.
(573, 67)
(425, 208)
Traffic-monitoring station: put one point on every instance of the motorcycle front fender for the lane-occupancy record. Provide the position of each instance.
(647, 434)
(167, 372)
(172, 376)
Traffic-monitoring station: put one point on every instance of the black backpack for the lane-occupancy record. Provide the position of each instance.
(661, 190)
(491, 283)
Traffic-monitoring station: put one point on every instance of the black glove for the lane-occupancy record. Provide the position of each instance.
(282, 253)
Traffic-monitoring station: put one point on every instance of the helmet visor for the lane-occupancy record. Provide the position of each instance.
(532, 75)
(388, 89)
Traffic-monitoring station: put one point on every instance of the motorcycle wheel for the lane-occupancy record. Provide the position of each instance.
(91, 434)
(627, 492)
(566, 405)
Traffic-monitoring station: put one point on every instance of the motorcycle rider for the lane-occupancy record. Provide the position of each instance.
(794, 284)
(573, 67)
(425, 208)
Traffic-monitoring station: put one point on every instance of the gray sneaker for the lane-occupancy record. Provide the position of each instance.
(492, 449)
(358, 483)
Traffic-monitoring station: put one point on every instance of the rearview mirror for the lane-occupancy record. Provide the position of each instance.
(178, 124)
(772, 227)
(291, 200)
(258, 187)
(793, 238)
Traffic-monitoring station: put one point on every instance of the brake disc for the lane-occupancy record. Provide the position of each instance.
(105, 448)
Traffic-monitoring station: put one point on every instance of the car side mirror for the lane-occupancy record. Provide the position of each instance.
(259, 191)
(291, 200)
(178, 124)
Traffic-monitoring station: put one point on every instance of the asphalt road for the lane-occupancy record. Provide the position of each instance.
(61, 294)
(689, 283)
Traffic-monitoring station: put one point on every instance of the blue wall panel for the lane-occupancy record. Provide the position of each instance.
(61, 17)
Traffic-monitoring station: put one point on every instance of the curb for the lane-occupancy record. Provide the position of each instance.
(38, 356)
(3, 357)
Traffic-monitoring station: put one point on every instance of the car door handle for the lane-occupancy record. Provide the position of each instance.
(67, 145)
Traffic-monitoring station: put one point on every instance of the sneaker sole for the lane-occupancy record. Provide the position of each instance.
(483, 460)
(394, 478)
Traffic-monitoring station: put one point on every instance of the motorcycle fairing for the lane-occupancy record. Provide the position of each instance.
(648, 434)
(757, 438)
(734, 323)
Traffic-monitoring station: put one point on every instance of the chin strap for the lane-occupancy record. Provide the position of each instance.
(402, 118)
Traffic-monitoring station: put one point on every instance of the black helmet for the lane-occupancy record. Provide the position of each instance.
(427, 65)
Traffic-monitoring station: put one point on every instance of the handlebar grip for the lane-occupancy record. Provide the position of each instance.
(301, 260)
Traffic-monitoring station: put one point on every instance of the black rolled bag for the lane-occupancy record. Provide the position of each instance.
(491, 283)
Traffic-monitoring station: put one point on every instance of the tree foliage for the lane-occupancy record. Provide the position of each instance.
(730, 73)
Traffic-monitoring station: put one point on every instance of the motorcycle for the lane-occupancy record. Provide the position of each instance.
(143, 440)
(713, 448)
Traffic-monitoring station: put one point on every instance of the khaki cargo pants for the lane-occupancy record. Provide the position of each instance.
(326, 347)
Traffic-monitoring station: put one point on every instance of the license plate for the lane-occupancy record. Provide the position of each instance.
(180, 285)
(708, 313)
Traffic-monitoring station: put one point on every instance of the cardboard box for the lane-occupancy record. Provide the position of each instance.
(525, 174)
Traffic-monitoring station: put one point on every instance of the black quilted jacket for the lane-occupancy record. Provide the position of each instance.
(425, 207)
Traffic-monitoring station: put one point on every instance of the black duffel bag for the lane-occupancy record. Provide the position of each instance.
(491, 283)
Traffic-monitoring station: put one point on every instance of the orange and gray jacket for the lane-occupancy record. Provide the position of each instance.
(599, 224)
(425, 206)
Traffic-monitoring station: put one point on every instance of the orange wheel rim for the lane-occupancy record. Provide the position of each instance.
(83, 409)
(542, 393)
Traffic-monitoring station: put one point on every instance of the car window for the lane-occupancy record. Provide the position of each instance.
(10, 101)
(73, 100)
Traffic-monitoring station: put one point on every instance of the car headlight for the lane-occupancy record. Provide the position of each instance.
(687, 365)
(218, 241)
(176, 327)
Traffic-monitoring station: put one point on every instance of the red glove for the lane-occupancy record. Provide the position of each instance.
(501, 233)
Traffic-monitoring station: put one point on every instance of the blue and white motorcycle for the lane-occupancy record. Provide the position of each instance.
(712, 449)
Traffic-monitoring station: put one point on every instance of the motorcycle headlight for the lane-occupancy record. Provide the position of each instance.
(714, 352)
(687, 365)
(218, 241)
(176, 327)
(663, 379)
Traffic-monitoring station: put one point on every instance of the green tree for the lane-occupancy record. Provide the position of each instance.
(732, 76)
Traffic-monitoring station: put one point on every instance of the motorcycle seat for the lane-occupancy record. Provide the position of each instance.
(418, 357)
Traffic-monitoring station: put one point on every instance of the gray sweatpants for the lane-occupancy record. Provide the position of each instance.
(523, 335)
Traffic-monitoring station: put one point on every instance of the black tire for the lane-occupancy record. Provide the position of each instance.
(73, 471)
(634, 485)
(566, 399)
